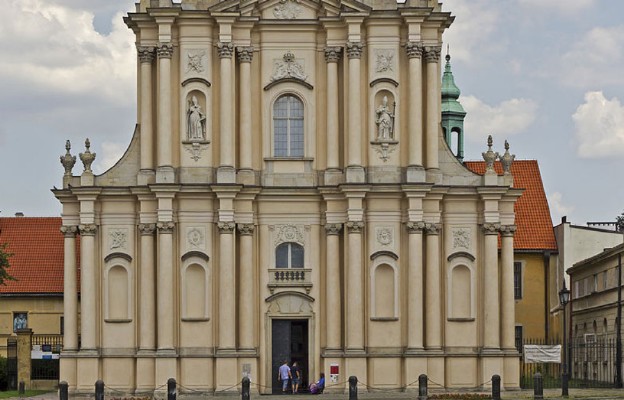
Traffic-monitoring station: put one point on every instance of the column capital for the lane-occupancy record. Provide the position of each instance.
(87, 229)
(414, 49)
(508, 230)
(146, 54)
(415, 227)
(147, 229)
(432, 53)
(226, 227)
(433, 229)
(225, 49)
(491, 228)
(165, 227)
(245, 229)
(333, 229)
(165, 50)
(69, 231)
(355, 226)
(244, 53)
(354, 49)
(333, 54)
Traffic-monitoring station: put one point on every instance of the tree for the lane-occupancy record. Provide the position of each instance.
(4, 264)
(619, 223)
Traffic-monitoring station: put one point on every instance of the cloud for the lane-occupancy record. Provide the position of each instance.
(111, 153)
(599, 127)
(508, 118)
(564, 7)
(557, 207)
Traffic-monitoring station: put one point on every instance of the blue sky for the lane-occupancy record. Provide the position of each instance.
(547, 75)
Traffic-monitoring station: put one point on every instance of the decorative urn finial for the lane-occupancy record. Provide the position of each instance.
(68, 160)
(507, 159)
(489, 156)
(87, 157)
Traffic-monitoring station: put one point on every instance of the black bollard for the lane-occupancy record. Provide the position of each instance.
(422, 387)
(538, 387)
(21, 389)
(171, 389)
(63, 390)
(496, 387)
(353, 387)
(245, 395)
(99, 390)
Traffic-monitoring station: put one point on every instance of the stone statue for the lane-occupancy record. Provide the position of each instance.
(20, 322)
(195, 121)
(385, 120)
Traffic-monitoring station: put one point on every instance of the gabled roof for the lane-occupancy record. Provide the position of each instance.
(534, 225)
(38, 251)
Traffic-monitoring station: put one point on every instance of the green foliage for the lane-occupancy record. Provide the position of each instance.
(11, 394)
(4, 264)
(619, 223)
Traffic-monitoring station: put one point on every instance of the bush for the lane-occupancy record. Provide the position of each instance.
(4, 380)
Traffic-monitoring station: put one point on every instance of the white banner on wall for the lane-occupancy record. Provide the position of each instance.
(542, 353)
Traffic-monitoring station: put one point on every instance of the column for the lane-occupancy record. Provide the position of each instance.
(433, 310)
(415, 288)
(165, 303)
(70, 289)
(146, 58)
(227, 287)
(226, 134)
(355, 294)
(354, 145)
(432, 57)
(508, 317)
(332, 56)
(147, 290)
(414, 52)
(246, 308)
(165, 51)
(491, 338)
(88, 287)
(245, 55)
(333, 307)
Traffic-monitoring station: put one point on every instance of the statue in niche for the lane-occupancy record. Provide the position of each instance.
(195, 121)
(385, 120)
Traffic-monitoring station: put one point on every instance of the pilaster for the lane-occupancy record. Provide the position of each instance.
(70, 289)
(432, 126)
(165, 172)
(146, 55)
(415, 170)
(355, 171)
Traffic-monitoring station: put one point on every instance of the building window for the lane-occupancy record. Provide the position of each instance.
(517, 280)
(289, 255)
(20, 321)
(288, 127)
(62, 323)
(518, 338)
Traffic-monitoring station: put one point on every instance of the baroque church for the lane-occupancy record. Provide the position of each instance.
(289, 194)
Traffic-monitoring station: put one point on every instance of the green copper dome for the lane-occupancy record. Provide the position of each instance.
(450, 91)
(453, 113)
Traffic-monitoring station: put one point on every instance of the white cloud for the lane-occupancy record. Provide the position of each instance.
(508, 118)
(561, 6)
(557, 207)
(599, 127)
(111, 153)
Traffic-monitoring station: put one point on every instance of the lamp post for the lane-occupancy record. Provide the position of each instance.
(564, 299)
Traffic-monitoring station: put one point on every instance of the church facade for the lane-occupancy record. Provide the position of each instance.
(288, 194)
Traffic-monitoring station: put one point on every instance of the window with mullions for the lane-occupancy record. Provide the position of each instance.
(288, 126)
(517, 280)
(289, 255)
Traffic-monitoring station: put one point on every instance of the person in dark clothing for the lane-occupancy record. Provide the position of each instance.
(296, 377)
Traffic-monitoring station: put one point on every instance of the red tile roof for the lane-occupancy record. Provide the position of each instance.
(535, 228)
(38, 251)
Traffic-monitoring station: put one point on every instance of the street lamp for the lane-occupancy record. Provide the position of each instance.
(564, 299)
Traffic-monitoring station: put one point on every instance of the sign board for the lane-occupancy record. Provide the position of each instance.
(334, 373)
(542, 353)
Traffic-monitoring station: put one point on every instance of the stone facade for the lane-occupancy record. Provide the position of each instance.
(258, 189)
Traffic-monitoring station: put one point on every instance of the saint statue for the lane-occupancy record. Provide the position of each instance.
(195, 121)
(20, 322)
(385, 120)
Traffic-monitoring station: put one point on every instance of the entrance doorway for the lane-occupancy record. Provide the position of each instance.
(289, 342)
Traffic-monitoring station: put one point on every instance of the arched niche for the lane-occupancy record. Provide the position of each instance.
(195, 284)
(195, 121)
(118, 290)
(461, 287)
(384, 287)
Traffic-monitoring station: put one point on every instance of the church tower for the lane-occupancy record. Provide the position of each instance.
(453, 113)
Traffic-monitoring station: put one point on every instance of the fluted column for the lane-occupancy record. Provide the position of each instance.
(491, 335)
(165, 302)
(226, 134)
(332, 56)
(245, 55)
(88, 287)
(165, 51)
(432, 57)
(147, 290)
(332, 287)
(354, 53)
(415, 288)
(433, 310)
(70, 288)
(508, 317)
(414, 52)
(227, 287)
(355, 294)
(146, 58)
(246, 308)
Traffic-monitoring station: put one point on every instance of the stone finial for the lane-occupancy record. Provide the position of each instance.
(68, 160)
(87, 157)
(489, 156)
(507, 159)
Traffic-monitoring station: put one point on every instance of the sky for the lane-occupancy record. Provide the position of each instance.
(546, 75)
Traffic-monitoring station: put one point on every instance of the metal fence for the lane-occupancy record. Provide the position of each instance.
(551, 372)
(11, 363)
(46, 368)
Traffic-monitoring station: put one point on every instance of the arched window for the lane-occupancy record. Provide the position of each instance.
(288, 126)
(289, 255)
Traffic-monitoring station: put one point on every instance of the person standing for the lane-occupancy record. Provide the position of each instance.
(284, 375)
(296, 377)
